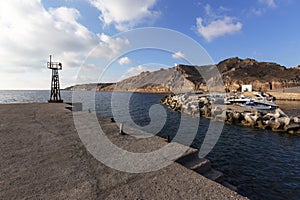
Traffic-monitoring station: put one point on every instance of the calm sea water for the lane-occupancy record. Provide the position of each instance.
(262, 164)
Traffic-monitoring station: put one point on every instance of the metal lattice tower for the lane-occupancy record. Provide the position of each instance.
(55, 88)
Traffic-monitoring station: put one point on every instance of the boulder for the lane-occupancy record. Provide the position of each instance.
(296, 119)
(250, 119)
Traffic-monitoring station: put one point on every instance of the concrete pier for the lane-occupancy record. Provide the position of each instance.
(42, 157)
(290, 96)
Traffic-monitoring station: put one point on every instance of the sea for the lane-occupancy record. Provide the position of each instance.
(261, 163)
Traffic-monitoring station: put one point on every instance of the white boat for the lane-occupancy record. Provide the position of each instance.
(260, 98)
(259, 101)
(236, 99)
(265, 103)
(258, 107)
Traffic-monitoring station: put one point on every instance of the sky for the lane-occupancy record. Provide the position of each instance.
(103, 40)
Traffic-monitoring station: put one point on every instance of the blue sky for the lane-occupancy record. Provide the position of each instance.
(266, 30)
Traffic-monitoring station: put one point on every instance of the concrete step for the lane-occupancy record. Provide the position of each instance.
(187, 157)
(200, 165)
(229, 186)
(214, 175)
(193, 162)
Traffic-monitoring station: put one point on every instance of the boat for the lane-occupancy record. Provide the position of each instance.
(258, 107)
(236, 99)
(259, 101)
(264, 99)
(263, 96)
(266, 103)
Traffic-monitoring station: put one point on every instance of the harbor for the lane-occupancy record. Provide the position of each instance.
(247, 157)
(258, 112)
(131, 100)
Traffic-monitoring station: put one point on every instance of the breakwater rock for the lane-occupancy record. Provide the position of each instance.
(204, 106)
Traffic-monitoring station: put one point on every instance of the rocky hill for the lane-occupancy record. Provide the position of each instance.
(262, 75)
(93, 87)
(234, 72)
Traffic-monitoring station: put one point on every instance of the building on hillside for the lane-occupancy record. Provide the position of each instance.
(247, 88)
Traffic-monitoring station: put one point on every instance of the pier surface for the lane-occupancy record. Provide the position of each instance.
(43, 157)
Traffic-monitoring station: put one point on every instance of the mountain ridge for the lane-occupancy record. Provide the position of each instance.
(234, 73)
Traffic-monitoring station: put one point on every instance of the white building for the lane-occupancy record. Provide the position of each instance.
(247, 88)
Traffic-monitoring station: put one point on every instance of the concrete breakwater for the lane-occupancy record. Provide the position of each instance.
(203, 106)
(290, 96)
(190, 159)
(45, 159)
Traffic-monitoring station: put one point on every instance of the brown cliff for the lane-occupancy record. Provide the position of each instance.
(262, 75)
(234, 73)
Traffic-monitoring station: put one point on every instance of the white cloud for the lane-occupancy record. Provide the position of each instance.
(224, 9)
(178, 55)
(29, 33)
(91, 67)
(218, 28)
(257, 11)
(269, 3)
(135, 71)
(261, 10)
(109, 47)
(124, 61)
(209, 12)
(214, 25)
(125, 14)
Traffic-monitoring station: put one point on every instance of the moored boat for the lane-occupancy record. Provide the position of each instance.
(258, 107)
(258, 101)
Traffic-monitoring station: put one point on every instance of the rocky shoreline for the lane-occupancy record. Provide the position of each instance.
(203, 106)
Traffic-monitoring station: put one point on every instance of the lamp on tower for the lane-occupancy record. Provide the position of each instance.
(55, 87)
